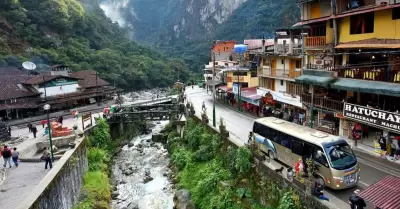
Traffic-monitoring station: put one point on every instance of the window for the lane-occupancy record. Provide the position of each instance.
(281, 82)
(282, 61)
(298, 64)
(285, 140)
(253, 73)
(239, 73)
(293, 88)
(266, 62)
(396, 13)
(297, 147)
(318, 30)
(320, 159)
(267, 83)
(362, 23)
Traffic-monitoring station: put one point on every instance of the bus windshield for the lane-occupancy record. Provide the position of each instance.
(340, 156)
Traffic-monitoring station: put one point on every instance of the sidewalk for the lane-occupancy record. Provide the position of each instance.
(19, 182)
(361, 150)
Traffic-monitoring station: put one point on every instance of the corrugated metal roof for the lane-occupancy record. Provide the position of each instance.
(384, 194)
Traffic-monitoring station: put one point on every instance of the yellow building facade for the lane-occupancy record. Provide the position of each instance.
(243, 77)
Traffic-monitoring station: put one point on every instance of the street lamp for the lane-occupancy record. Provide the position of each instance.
(213, 82)
(47, 108)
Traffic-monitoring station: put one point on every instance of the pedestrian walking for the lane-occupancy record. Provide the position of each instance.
(356, 202)
(203, 106)
(6, 153)
(9, 130)
(15, 155)
(34, 131)
(30, 127)
(60, 119)
(46, 157)
(43, 122)
(396, 144)
(382, 144)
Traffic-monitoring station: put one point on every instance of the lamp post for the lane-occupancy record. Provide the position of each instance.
(47, 108)
(213, 80)
(97, 90)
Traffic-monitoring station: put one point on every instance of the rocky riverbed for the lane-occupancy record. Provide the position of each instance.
(145, 95)
(140, 175)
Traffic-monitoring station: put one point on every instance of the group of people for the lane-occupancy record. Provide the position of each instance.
(8, 155)
(12, 154)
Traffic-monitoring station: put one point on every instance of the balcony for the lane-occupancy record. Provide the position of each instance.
(319, 67)
(279, 73)
(315, 42)
(323, 102)
(371, 73)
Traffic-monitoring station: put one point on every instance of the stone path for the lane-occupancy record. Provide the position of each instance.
(19, 182)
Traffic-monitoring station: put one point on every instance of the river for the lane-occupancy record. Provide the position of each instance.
(141, 175)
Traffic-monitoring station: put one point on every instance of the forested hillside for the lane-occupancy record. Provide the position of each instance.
(186, 28)
(77, 33)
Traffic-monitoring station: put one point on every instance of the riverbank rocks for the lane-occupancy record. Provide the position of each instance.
(114, 195)
(147, 179)
(130, 144)
(182, 200)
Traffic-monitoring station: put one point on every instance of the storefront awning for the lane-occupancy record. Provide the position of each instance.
(280, 97)
(383, 194)
(373, 87)
(224, 88)
(211, 83)
(315, 80)
(250, 95)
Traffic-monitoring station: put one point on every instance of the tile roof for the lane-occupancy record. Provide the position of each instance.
(88, 79)
(44, 78)
(371, 43)
(11, 86)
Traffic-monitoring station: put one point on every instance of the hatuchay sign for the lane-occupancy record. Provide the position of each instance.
(375, 117)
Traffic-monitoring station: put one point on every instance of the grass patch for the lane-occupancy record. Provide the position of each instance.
(97, 191)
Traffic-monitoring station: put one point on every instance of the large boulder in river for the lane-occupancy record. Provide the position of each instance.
(182, 200)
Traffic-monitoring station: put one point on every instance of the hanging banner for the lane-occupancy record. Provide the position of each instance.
(375, 117)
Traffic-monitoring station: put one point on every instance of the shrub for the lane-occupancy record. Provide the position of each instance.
(101, 134)
(204, 153)
(290, 200)
(194, 137)
(180, 158)
(243, 160)
(98, 159)
(97, 187)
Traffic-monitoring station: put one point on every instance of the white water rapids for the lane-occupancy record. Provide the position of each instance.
(140, 175)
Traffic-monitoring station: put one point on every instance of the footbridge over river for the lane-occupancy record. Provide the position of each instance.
(162, 109)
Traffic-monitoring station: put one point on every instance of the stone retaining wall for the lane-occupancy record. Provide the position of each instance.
(61, 187)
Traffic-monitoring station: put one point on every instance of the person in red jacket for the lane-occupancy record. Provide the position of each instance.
(6, 153)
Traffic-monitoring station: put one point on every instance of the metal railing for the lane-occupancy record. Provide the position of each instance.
(322, 102)
(373, 73)
(319, 67)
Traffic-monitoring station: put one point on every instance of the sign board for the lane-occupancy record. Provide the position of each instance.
(87, 121)
(339, 115)
(374, 117)
(235, 89)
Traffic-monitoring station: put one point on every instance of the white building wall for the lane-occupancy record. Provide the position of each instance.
(280, 86)
(58, 90)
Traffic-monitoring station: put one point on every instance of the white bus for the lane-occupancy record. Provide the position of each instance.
(287, 142)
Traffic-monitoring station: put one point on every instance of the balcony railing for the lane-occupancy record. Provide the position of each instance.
(315, 41)
(322, 102)
(369, 73)
(319, 67)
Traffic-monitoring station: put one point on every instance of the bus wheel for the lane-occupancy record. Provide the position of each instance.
(271, 154)
(321, 181)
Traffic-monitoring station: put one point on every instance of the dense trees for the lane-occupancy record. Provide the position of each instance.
(77, 33)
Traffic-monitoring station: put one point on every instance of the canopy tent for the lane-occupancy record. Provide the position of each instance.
(374, 87)
(384, 194)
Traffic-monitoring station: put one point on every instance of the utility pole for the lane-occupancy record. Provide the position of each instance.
(213, 81)
(238, 83)
(97, 90)
(45, 93)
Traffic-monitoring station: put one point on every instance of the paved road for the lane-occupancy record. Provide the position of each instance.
(239, 125)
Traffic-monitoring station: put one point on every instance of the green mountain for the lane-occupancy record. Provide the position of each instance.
(79, 34)
(186, 28)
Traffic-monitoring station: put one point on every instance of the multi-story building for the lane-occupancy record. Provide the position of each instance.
(280, 65)
(351, 65)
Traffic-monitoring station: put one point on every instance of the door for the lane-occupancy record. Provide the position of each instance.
(273, 67)
(292, 69)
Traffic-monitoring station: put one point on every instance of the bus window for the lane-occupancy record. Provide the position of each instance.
(297, 147)
(285, 140)
(321, 159)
